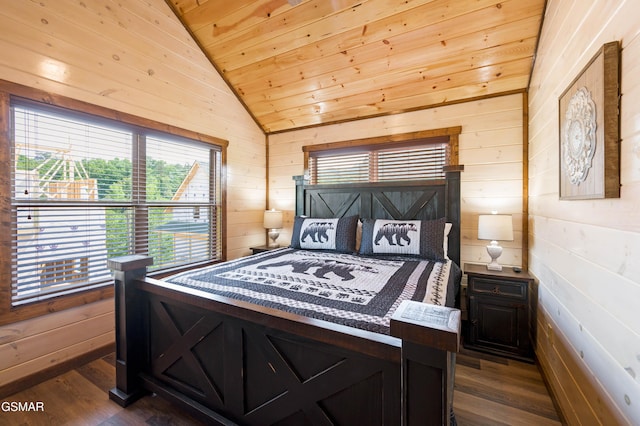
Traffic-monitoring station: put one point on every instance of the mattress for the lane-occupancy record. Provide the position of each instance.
(353, 290)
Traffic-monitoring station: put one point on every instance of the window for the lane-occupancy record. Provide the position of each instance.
(71, 195)
(412, 156)
(181, 196)
(84, 188)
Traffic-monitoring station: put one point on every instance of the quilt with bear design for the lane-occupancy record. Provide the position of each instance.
(358, 291)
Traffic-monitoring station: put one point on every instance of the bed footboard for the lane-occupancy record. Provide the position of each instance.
(129, 331)
(430, 340)
(235, 362)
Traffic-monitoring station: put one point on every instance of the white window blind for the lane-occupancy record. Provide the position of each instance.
(379, 163)
(412, 163)
(340, 168)
(85, 189)
(183, 203)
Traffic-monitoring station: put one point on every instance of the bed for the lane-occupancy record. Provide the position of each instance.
(218, 340)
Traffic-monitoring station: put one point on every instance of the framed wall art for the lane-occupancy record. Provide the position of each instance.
(590, 129)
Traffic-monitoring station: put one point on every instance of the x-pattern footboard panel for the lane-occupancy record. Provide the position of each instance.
(257, 375)
(173, 359)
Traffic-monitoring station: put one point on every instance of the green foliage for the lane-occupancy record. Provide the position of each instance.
(119, 226)
(163, 180)
(114, 176)
(114, 181)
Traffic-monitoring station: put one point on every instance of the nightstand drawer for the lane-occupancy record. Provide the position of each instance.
(499, 288)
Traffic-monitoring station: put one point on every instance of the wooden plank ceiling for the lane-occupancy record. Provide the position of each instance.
(327, 61)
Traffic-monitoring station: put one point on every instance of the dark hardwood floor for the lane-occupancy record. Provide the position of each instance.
(489, 391)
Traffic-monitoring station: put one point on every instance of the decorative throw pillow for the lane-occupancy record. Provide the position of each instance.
(337, 234)
(422, 238)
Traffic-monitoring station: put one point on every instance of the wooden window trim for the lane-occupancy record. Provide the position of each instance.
(8, 90)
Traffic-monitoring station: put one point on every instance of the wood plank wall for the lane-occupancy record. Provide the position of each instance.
(490, 148)
(135, 57)
(586, 253)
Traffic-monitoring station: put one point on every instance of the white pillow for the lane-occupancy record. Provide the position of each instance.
(445, 244)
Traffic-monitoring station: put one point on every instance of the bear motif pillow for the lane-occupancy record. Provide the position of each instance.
(337, 234)
(422, 238)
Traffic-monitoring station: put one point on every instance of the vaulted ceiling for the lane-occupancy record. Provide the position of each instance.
(301, 63)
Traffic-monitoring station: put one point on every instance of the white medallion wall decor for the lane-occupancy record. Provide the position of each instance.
(589, 134)
(579, 136)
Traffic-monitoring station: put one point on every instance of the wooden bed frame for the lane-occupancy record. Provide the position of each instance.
(238, 363)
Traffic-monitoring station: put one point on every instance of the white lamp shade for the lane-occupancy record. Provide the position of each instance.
(495, 227)
(273, 219)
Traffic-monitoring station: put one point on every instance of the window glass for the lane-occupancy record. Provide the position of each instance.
(416, 160)
(85, 189)
(182, 205)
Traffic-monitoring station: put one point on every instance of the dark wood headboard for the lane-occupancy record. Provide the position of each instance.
(424, 200)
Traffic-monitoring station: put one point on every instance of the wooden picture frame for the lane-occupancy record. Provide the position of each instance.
(589, 129)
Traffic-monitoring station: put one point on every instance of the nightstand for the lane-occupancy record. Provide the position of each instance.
(501, 312)
(260, 249)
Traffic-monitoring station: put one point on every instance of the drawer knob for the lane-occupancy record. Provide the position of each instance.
(496, 290)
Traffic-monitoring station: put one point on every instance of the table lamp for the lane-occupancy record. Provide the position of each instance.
(495, 227)
(273, 222)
